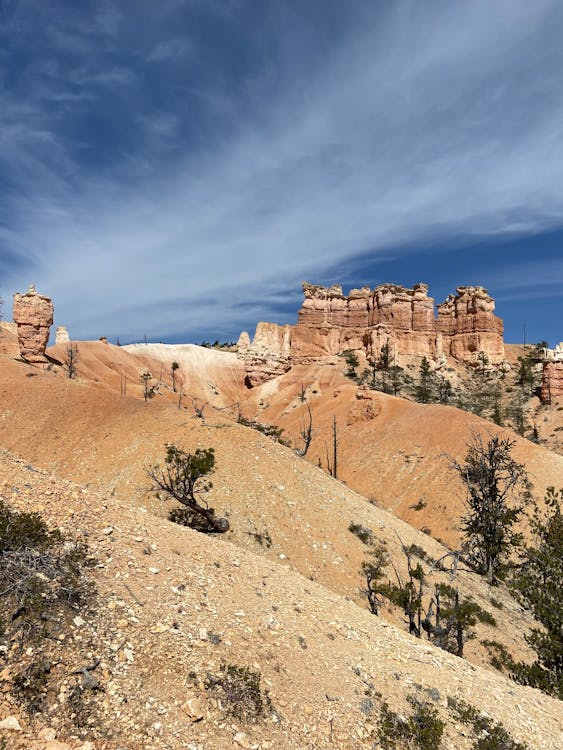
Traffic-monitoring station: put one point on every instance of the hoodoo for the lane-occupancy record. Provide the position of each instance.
(33, 315)
(552, 377)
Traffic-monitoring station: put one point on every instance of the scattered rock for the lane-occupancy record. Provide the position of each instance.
(10, 723)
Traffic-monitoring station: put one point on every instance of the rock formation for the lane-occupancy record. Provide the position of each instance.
(552, 376)
(33, 315)
(330, 323)
(467, 325)
(268, 355)
(61, 335)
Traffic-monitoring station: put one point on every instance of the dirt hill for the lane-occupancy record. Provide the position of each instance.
(170, 620)
(280, 592)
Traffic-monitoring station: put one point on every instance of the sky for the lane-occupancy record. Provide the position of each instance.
(176, 169)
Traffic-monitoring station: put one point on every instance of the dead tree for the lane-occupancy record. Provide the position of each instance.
(71, 360)
(306, 432)
(198, 410)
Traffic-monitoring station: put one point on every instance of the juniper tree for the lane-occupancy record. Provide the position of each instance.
(184, 478)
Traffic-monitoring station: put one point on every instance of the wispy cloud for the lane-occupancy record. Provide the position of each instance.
(219, 186)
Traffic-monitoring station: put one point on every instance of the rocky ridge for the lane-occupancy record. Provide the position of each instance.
(331, 323)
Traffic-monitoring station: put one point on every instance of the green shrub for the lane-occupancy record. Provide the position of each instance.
(363, 533)
(184, 478)
(488, 735)
(43, 583)
(423, 729)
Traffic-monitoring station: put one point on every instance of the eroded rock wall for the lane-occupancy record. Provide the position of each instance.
(552, 376)
(268, 355)
(330, 323)
(467, 325)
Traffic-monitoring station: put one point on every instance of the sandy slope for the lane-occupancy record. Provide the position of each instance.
(292, 608)
(173, 616)
(392, 450)
(106, 442)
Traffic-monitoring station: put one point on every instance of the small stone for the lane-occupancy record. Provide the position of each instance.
(193, 707)
(108, 530)
(159, 628)
(242, 739)
(202, 634)
(56, 745)
(47, 733)
(11, 723)
(154, 571)
(78, 621)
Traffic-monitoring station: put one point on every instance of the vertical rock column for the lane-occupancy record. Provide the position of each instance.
(33, 315)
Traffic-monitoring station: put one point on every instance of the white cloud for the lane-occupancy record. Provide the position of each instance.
(439, 118)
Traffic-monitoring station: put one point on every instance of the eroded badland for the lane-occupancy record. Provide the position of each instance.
(281, 594)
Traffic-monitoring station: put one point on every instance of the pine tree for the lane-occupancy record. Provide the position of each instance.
(497, 491)
(538, 585)
(424, 389)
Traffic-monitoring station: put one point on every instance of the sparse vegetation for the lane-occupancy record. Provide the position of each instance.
(149, 389)
(262, 537)
(43, 583)
(419, 505)
(71, 359)
(488, 735)
(270, 430)
(423, 729)
(239, 693)
(363, 533)
(184, 478)
(352, 362)
(446, 617)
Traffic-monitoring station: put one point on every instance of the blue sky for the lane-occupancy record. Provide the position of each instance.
(176, 169)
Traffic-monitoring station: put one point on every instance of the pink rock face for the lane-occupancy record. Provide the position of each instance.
(330, 323)
(33, 315)
(552, 381)
(468, 326)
